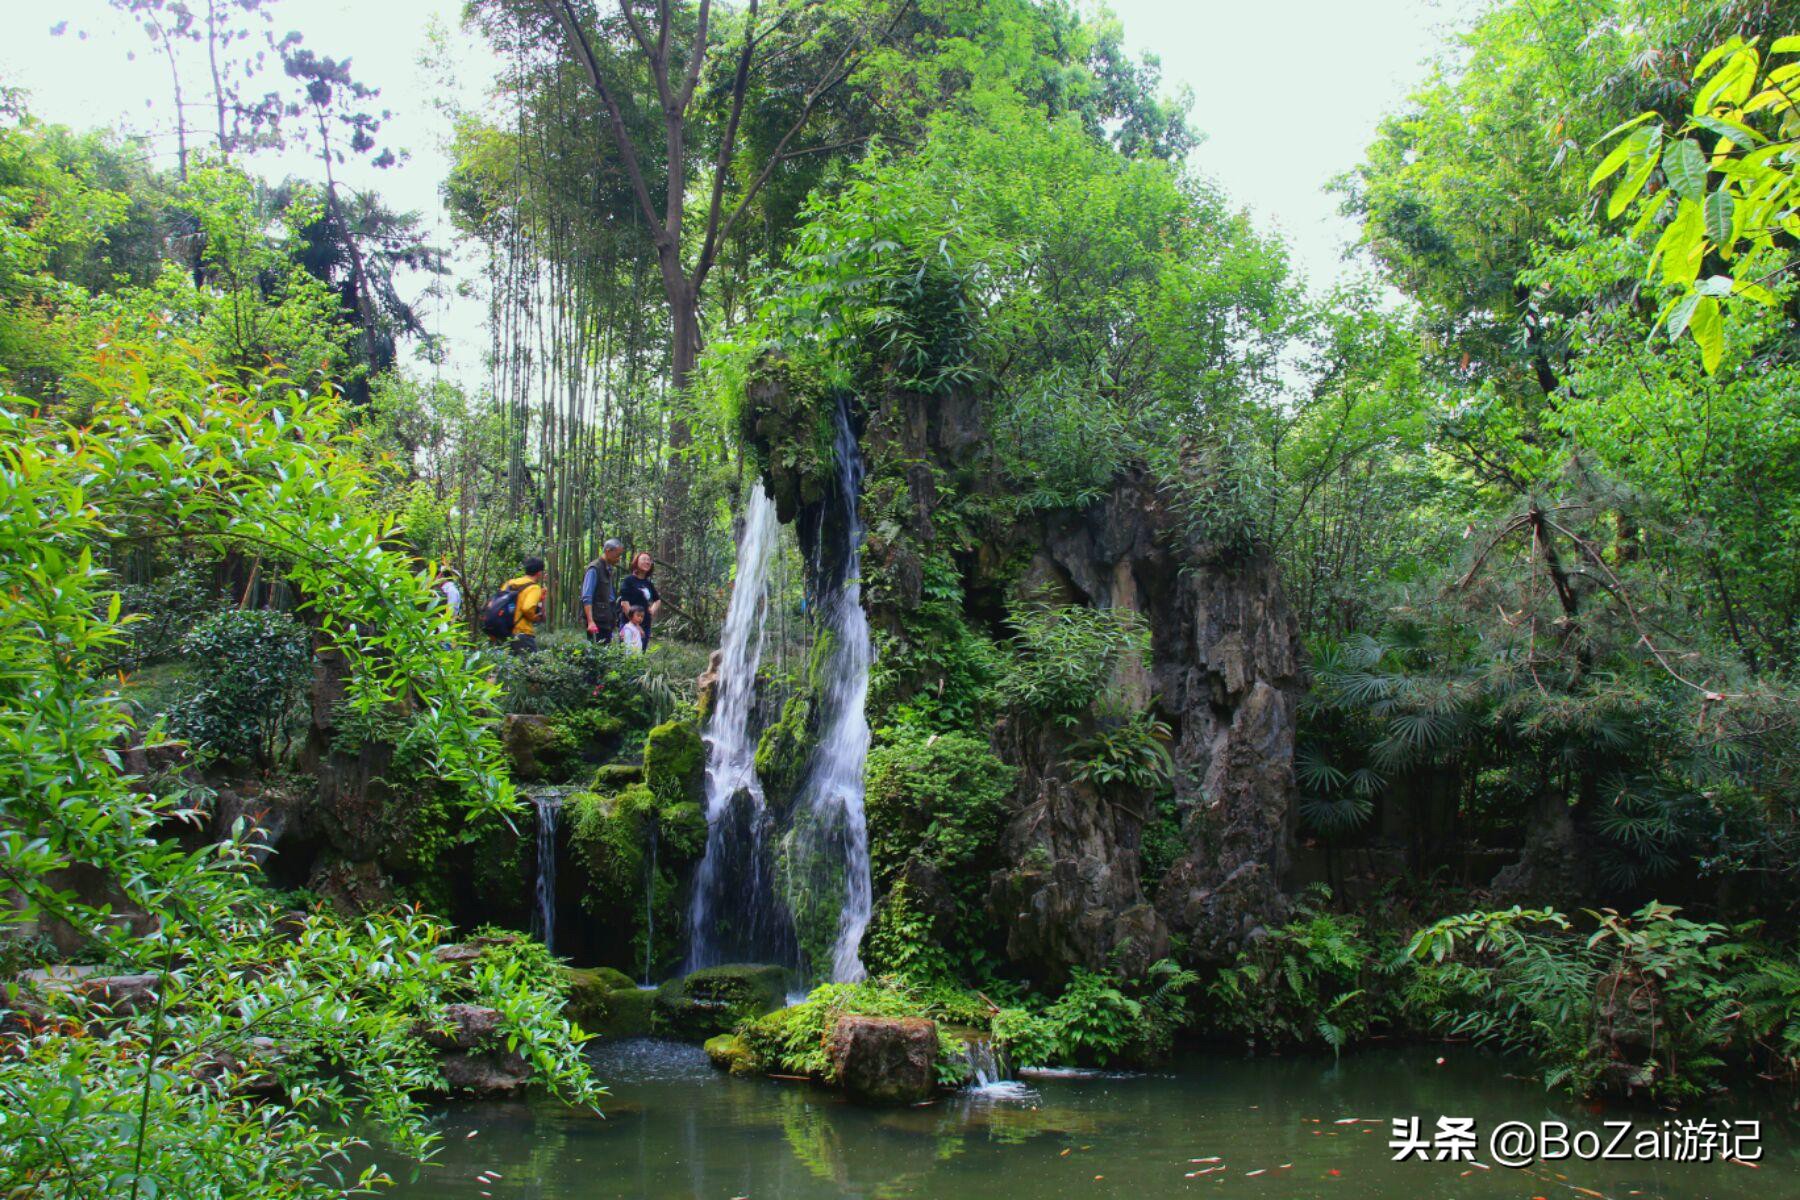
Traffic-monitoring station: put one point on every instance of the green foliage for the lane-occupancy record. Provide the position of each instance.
(323, 1016)
(1129, 750)
(568, 673)
(1099, 1019)
(1064, 657)
(223, 468)
(933, 801)
(1729, 184)
(1309, 981)
(255, 664)
(1643, 1002)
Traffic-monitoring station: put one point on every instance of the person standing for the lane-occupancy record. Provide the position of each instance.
(632, 632)
(529, 607)
(639, 591)
(450, 592)
(599, 598)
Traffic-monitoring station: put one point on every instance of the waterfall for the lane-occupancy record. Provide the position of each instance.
(734, 913)
(650, 910)
(985, 1065)
(549, 809)
(833, 835)
(990, 1078)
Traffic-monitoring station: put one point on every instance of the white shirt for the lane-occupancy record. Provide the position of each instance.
(633, 637)
(452, 597)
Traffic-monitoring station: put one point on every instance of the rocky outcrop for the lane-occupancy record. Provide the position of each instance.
(884, 1060)
(1223, 672)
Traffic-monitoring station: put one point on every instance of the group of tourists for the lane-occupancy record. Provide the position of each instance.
(611, 607)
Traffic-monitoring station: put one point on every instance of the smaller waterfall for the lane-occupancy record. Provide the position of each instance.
(990, 1078)
(985, 1065)
(834, 789)
(549, 810)
(734, 914)
(650, 911)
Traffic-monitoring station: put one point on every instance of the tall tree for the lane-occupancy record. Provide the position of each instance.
(699, 135)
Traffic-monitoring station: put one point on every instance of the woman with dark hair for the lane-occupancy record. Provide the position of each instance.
(639, 591)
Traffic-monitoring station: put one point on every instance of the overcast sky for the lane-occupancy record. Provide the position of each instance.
(1287, 94)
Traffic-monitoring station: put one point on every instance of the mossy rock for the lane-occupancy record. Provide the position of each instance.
(784, 749)
(604, 1001)
(713, 1000)
(610, 777)
(729, 1053)
(675, 763)
(631, 1014)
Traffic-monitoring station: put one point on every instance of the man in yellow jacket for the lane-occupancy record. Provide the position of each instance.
(530, 608)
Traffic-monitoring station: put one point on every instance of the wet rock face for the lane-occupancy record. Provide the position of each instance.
(884, 1060)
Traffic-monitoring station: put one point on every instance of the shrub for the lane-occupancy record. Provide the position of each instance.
(162, 613)
(1064, 655)
(937, 800)
(1098, 1019)
(567, 673)
(1644, 1002)
(255, 665)
(1308, 981)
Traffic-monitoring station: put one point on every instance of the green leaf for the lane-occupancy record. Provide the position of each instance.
(1647, 145)
(1719, 206)
(1685, 168)
(1682, 246)
(1681, 313)
(1708, 328)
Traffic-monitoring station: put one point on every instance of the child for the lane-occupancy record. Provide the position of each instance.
(633, 632)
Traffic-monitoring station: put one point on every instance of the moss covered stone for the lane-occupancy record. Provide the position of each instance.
(610, 777)
(729, 1053)
(675, 762)
(713, 1000)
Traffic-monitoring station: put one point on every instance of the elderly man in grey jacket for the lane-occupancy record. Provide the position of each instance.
(599, 599)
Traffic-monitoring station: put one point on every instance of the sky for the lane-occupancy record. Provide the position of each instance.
(1287, 94)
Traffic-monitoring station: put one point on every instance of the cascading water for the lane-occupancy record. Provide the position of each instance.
(734, 914)
(831, 835)
(549, 810)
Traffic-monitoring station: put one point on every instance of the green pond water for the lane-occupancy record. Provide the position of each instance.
(676, 1128)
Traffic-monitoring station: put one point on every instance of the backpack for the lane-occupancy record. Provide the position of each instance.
(498, 617)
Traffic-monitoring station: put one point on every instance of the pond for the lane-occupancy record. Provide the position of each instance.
(1210, 1125)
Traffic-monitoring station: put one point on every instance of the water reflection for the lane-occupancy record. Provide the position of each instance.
(676, 1128)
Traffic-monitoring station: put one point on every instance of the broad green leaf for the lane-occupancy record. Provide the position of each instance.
(1685, 168)
(1648, 143)
(1733, 131)
(1679, 315)
(1719, 206)
(1622, 126)
(1708, 328)
(1682, 245)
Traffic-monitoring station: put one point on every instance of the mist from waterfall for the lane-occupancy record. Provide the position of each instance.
(832, 833)
(734, 914)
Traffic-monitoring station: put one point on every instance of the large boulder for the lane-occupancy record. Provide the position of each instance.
(884, 1060)
(485, 1072)
(605, 1002)
(713, 1000)
(465, 1027)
